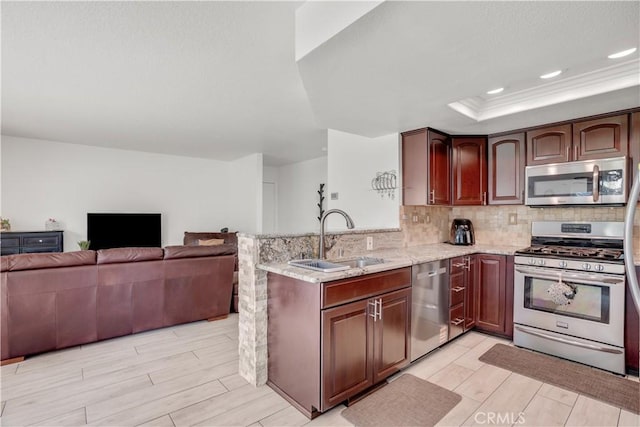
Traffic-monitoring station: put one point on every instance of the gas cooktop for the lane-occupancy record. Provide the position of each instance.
(608, 254)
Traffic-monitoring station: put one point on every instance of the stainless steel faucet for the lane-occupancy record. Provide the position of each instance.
(324, 216)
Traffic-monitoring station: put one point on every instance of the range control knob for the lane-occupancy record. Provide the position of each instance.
(562, 264)
(541, 262)
(532, 261)
(586, 266)
(599, 267)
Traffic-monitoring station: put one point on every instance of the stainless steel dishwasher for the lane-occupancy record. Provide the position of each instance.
(430, 307)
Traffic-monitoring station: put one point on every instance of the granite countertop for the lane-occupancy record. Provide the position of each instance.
(394, 258)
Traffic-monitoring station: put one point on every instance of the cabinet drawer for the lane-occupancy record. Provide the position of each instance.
(456, 321)
(8, 242)
(353, 289)
(457, 293)
(9, 251)
(38, 249)
(40, 241)
(458, 264)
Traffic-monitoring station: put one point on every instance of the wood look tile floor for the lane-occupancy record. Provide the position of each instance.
(188, 375)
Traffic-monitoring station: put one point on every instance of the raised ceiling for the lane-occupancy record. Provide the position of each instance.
(219, 79)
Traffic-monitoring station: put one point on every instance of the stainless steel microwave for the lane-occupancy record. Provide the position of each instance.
(586, 182)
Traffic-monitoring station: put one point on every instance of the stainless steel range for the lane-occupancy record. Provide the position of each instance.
(569, 290)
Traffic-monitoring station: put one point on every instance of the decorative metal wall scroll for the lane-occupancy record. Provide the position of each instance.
(321, 197)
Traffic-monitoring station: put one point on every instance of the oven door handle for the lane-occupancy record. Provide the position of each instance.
(590, 279)
(570, 342)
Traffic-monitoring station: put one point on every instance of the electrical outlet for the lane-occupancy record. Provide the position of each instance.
(369, 243)
(334, 196)
(513, 218)
(414, 218)
(427, 218)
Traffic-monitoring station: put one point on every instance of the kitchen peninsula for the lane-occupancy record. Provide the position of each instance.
(261, 265)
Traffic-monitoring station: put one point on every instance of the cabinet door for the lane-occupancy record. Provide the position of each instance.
(469, 167)
(549, 145)
(506, 170)
(491, 293)
(392, 334)
(634, 141)
(601, 138)
(415, 177)
(470, 290)
(439, 168)
(347, 350)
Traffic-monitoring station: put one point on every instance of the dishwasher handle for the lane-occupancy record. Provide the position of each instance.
(432, 273)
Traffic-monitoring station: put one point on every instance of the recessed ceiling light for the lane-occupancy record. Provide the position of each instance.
(621, 54)
(494, 91)
(551, 75)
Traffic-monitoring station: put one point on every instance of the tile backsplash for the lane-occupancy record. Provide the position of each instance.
(430, 224)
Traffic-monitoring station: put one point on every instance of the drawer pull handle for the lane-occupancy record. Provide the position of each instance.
(457, 321)
(458, 289)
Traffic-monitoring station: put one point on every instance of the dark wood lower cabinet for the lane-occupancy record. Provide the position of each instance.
(391, 335)
(328, 342)
(463, 282)
(347, 347)
(363, 343)
(492, 302)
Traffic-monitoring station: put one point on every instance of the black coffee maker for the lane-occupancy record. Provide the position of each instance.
(461, 232)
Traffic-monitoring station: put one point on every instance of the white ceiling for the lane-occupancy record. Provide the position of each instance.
(219, 79)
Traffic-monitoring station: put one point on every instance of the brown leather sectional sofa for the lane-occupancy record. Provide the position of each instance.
(55, 300)
(192, 238)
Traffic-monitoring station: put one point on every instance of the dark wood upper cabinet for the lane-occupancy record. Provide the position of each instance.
(426, 166)
(415, 176)
(469, 165)
(601, 138)
(439, 168)
(634, 141)
(506, 169)
(549, 145)
(581, 140)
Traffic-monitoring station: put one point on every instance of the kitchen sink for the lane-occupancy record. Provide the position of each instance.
(362, 261)
(331, 266)
(319, 265)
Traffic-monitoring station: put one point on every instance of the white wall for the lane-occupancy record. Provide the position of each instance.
(298, 185)
(42, 179)
(353, 161)
(245, 198)
(269, 199)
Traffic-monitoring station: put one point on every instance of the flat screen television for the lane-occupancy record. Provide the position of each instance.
(120, 230)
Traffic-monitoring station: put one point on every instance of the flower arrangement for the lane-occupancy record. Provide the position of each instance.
(5, 225)
(84, 244)
(51, 224)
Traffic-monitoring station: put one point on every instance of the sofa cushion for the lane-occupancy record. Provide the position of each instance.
(210, 242)
(172, 252)
(191, 237)
(50, 260)
(4, 263)
(117, 255)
